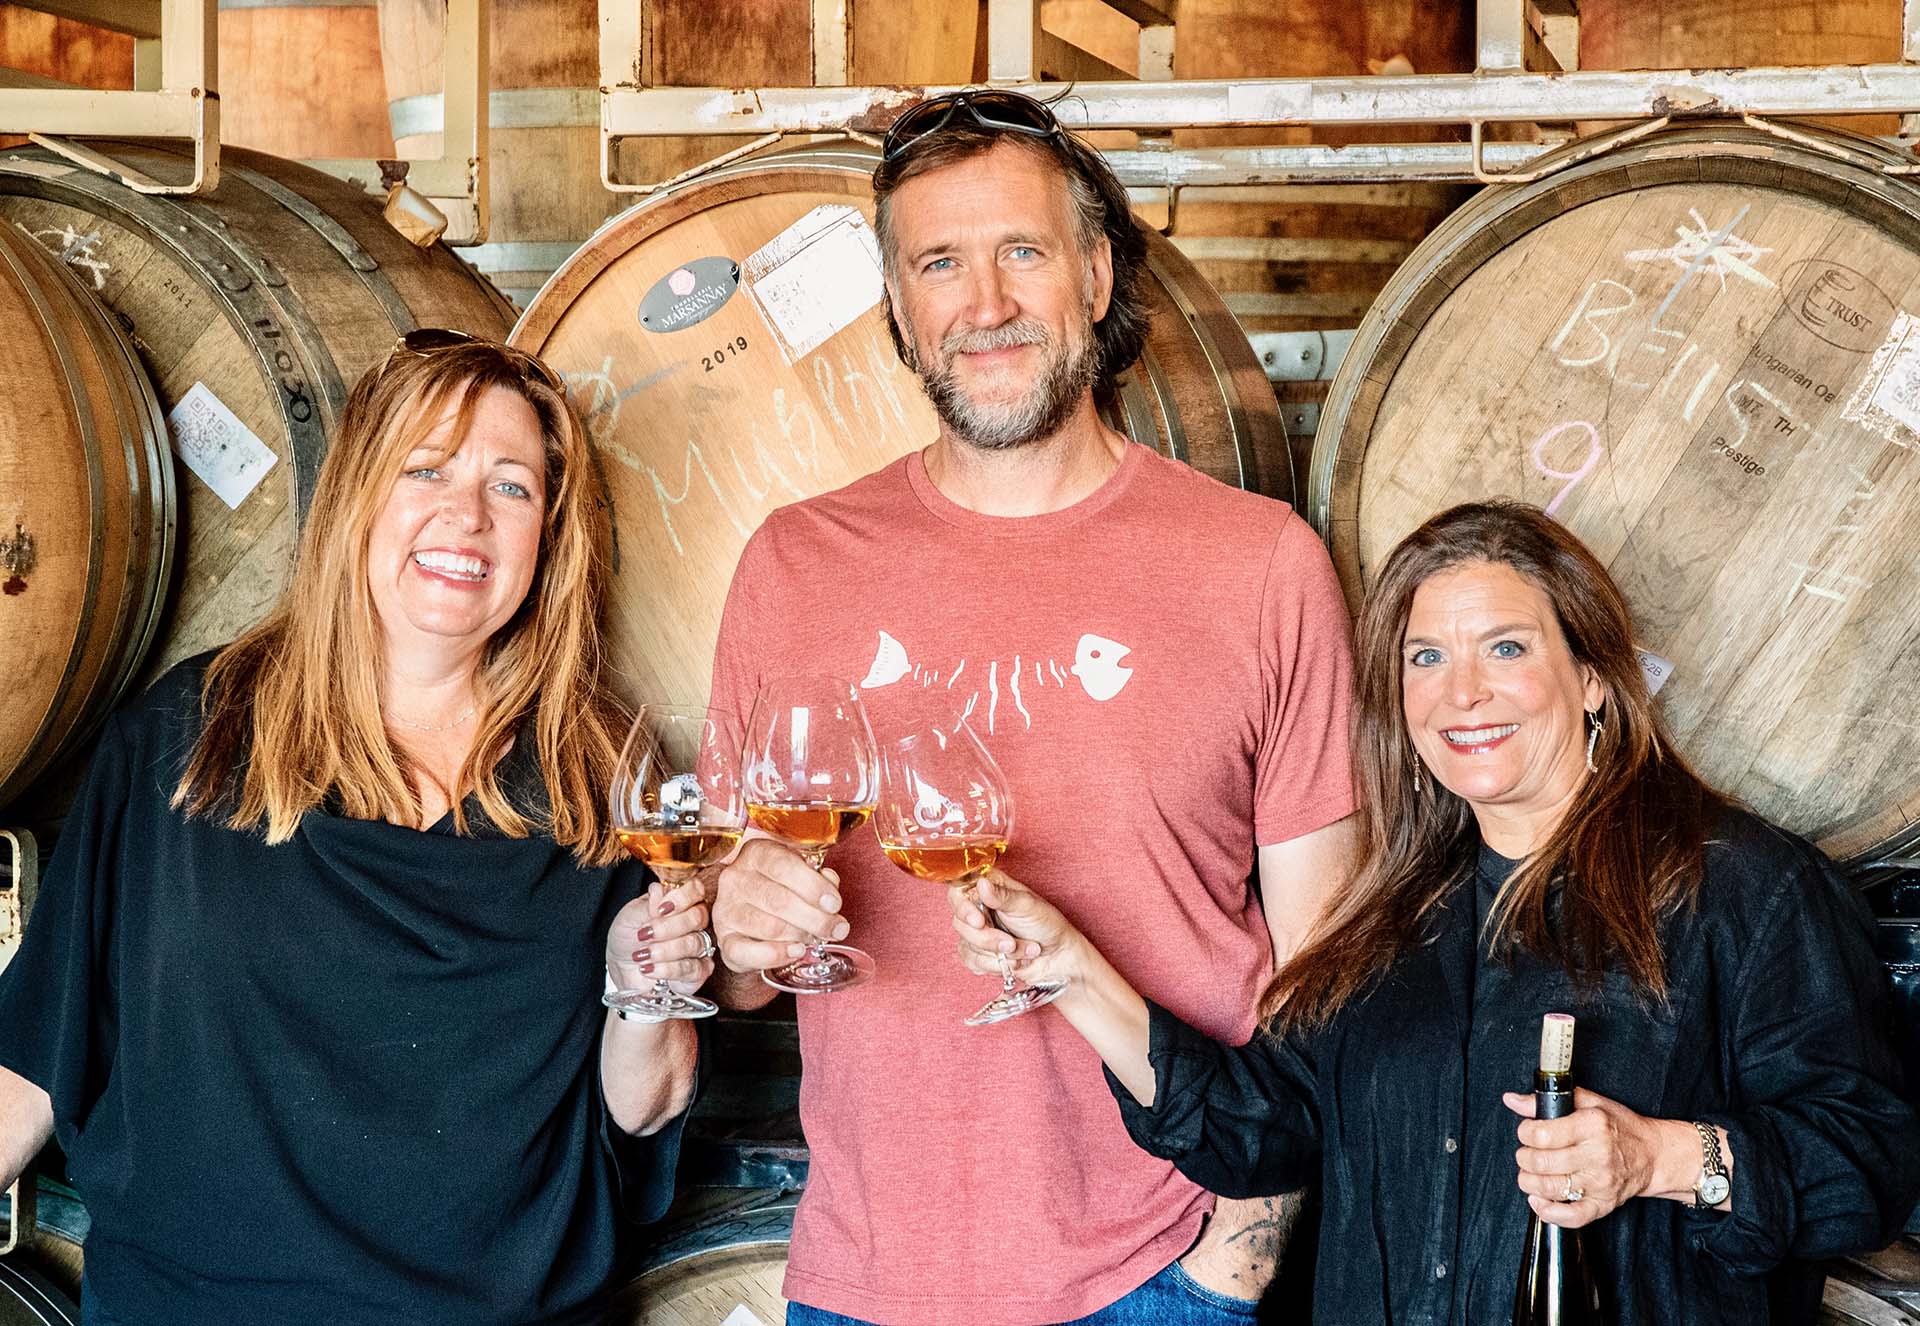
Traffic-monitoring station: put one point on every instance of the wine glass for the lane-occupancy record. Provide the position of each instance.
(811, 776)
(945, 814)
(676, 799)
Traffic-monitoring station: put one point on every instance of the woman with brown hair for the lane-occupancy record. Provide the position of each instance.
(1532, 843)
(312, 993)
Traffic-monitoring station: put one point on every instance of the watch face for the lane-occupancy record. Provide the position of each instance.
(1714, 1189)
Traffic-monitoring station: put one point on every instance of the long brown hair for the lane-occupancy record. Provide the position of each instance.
(292, 709)
(1627, 853)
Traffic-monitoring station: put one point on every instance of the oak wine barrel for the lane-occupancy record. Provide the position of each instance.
(712, 1265)
(1693, 350)
(42, 1274)
(253, 309)
(30, 1298)
(87, 512)
(726, 345)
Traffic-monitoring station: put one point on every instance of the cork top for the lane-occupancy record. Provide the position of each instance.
(1556, 1043)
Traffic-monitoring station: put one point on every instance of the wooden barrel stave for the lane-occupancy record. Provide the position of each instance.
(1430, 410)
(716, 1254)
(795, 428)
(95, 496)
(276, 291)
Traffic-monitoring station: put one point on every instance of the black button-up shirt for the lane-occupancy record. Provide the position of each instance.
(1776, 1028)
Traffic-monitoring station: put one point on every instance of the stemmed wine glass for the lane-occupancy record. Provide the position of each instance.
(676, 798)
(811, 777)
(945, 814)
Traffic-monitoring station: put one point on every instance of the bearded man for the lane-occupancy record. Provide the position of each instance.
(1183, 787)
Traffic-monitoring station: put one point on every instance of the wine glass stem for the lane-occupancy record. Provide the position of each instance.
(993, 919)
(817, 858)
(669, 881)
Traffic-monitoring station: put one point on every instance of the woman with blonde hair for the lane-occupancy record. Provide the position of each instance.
(1532, 843)
(312, 994)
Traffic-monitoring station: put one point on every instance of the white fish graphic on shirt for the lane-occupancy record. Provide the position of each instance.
(889, 664)
(1096, 662)
(1096, 666)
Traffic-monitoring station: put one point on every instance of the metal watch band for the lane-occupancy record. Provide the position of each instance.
(1711, 1164)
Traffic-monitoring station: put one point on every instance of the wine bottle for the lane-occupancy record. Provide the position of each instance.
(1557, 1285)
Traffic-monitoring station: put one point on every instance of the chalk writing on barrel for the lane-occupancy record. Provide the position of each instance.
(1573, 477)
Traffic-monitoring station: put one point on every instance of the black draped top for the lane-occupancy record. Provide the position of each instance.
(1777, 1028)
(350, 1078)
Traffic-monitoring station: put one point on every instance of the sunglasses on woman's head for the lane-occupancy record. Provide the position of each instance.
(1013, 112)
(427, 340)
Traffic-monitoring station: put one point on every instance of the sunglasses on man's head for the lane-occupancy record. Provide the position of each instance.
(428, 340)
(1013, 112)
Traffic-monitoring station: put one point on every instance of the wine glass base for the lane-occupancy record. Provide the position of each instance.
(837, 967)
(659, 1005)
(1012, 1003)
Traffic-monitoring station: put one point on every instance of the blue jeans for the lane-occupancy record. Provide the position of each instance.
(1171, 1298)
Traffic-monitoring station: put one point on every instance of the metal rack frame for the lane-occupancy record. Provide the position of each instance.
(456, 183)
(176, 60)
(176, 55)
(1524, 50)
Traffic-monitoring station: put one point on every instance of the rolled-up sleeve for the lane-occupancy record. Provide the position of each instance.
(57, 1004)
(1826, 1151)
(1241, 1121)
(645, 1165)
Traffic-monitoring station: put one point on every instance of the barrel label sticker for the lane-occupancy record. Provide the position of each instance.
(816, 278)
(1837, 304)
(1887, 401)
(223, 453)
(690, 293)
(742, 1315)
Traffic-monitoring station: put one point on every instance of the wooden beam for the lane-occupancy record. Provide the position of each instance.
(1235, 248)
(1557, 24)
(1147, 13)
(1061, 60)
(1335, 304)
(136, 18)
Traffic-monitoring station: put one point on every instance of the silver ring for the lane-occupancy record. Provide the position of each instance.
(1571, 1193)
(707, 947)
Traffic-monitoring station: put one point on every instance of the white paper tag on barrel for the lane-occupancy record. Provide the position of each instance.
(223, 452)
(1655, 669)
(816, 277)
(742, 1315)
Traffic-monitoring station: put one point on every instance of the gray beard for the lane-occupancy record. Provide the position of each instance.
(1066, 376)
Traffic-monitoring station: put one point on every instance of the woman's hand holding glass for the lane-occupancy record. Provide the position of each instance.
(1033, 939)
(945, 815)
(661, 936)
(676, 804)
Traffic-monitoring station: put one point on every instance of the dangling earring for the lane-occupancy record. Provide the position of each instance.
(1593, 739)
(1416, 775)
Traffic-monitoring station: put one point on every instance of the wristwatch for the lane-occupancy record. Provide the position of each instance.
(1712, 1187)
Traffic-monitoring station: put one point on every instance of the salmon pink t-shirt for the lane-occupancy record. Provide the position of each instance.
(1162, 670)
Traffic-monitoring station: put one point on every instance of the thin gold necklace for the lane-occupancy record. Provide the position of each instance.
(412, 726)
